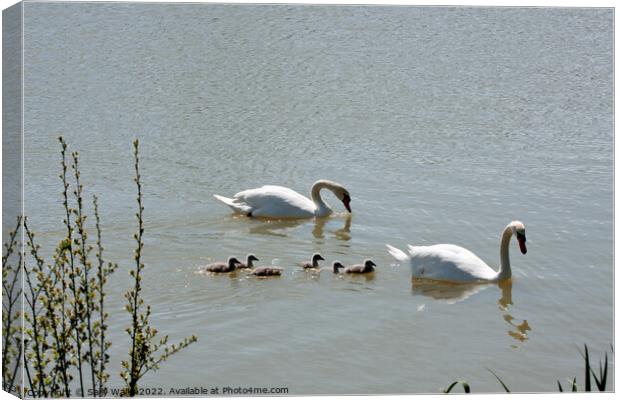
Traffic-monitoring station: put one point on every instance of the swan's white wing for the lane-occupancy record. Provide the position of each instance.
(398, 254)
(276, 201)
(450, 248)
(237, 205)
(448, 262)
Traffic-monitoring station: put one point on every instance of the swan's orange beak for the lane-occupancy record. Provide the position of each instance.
(521, 239)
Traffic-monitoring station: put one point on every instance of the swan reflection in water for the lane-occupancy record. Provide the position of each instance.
(448, 293)
(521, 329)
(343, 233)
(279, 227)
(454, 293)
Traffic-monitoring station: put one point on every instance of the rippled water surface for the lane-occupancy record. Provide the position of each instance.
(444, 123)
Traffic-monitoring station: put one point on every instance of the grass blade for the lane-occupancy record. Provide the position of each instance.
(604, 378)
(500, 381)
(601, 381)
(574, 384)
(596, 378)
(560, 387)
(466, 387)
(588, 382)
(449, 388)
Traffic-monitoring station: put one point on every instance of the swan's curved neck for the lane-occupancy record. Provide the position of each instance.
(321, 206)
(504, 265)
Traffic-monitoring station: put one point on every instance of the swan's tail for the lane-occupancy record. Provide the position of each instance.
(397, 254)
(237, 207)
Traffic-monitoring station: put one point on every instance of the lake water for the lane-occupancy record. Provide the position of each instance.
(444, 123)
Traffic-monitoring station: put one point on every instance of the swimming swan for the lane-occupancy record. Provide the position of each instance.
(314, 264)
(367, 267)
(282, 202)
(223, 267)
(447, 262)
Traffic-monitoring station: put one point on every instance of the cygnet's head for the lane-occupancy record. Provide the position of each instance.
(317, 257)
(232, 261)
(336, 266)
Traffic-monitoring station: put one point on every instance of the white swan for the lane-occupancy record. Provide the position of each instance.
(281, 202)
(447, 262)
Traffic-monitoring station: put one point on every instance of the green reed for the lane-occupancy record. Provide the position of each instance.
(103, 271)
(11, 316)
(64, 324)
(143, 355)
(600, 379)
